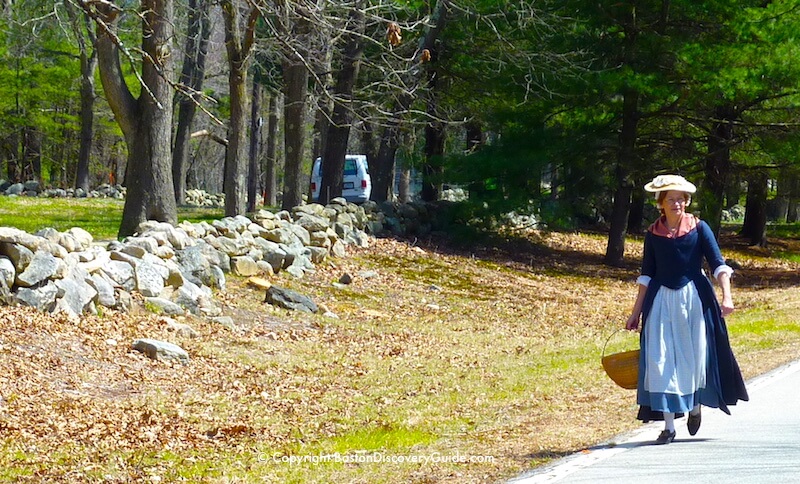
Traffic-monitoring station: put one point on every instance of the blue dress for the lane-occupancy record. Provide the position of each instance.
(686, 358)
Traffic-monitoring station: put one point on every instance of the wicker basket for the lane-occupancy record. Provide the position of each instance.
(622, 367)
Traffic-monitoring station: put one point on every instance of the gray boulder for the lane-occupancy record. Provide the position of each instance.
(288, 299)
(302, 236)
(149, 280)
(7, 271)
(15, 189)
(229, 246)
(338, 249)
(42, 266)
(163, 306)
(77, 294)
(83, 237)
(318, 254)
(192, 262)
(281, 235)
(312, 223)
(32, 242)
(161, 350)
(320, 239)
(6, 296)
(224, 321)
(42, 298)
(105, 289)
(121, 273)
(191, 296)
(20, 255)
(244, 266)
(214, 278)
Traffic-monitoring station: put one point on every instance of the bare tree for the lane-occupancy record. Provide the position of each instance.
(239, 43)
(146, 121)
(383, 165)
(86, 40)
(270, 171)
(256, 121)
(191, 82)
(335, 148)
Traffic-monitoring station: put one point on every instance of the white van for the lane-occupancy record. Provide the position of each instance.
(357, 184)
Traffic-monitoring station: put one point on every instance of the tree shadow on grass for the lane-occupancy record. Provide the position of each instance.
(530, 254)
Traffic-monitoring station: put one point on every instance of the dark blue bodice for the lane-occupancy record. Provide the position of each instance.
(675, 262)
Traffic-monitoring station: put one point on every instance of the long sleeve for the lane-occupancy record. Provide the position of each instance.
(648, 262)
(711, 251)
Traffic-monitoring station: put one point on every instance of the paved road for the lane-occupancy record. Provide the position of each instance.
(758, 443)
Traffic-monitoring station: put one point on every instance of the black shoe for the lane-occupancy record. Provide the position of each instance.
(665, 437)
(693, 423)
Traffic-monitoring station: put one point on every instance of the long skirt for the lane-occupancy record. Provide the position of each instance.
(674, 351)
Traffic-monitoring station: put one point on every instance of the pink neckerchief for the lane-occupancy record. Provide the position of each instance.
(687, 224)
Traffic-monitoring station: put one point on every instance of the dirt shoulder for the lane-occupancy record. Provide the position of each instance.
(482, 350)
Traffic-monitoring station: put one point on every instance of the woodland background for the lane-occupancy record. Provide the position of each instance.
(562, 109)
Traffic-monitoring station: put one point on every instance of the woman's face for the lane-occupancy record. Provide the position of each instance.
(674, 203)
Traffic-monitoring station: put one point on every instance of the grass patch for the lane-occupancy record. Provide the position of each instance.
(386, 438)
(784, 230)
(101, 217)
(788, 256)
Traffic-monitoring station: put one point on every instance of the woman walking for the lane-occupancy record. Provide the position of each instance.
(686, 359)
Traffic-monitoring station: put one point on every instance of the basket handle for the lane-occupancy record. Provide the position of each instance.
(609, 339)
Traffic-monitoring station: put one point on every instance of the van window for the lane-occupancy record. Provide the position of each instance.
(350, 167)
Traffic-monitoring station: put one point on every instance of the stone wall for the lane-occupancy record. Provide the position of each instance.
(175, 268)
(33, 189)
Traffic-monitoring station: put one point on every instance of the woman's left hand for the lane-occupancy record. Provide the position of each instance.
(726, 306)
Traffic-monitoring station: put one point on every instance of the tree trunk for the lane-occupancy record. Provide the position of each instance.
(636, 215)
(404, 184)
(783, 193)
(253, 172)
(794, 197)
(335, 148)
(733, 189)
(615, 250)
(32, 153)
(296, 85)
(322, 63)
(718, 166)
(235, 182)
(192, 75)
(754, 227)
(383, 167)
(146, 122)
(11, 155)
(475, 136)
(271, 175)
(434, 152)
(369, 146)
(88, 68)
(238, 45)
(88, 58)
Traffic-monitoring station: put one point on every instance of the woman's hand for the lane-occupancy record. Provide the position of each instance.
(633, 322)
(726, 306)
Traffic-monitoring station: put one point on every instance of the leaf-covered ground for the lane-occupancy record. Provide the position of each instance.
(467, 364)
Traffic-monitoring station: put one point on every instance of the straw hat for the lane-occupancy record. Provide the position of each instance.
(664, 183)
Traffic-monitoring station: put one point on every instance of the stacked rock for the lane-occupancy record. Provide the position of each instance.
(175, 268)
